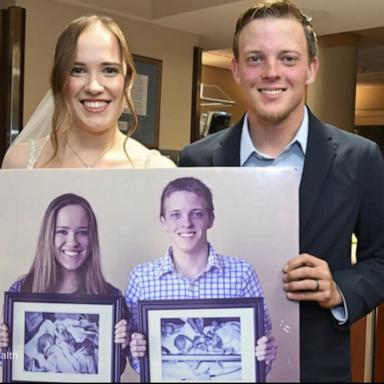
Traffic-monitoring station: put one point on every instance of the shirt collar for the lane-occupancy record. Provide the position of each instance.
(247, 148)
(167, 265)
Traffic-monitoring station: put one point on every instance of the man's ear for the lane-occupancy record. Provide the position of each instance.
(312, 70)
(235, 70)
(162, 220)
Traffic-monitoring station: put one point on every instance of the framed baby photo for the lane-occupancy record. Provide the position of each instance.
(61, 338)
(202, 340)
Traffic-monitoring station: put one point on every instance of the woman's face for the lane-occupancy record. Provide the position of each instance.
(95, 89)
(71, 237)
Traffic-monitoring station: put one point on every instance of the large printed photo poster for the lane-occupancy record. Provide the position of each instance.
(256, 219)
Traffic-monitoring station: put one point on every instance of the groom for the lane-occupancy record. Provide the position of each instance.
(341, 190)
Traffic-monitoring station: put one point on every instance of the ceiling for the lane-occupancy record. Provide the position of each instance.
(214, 21)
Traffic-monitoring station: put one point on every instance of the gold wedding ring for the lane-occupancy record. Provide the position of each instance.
(317, 285)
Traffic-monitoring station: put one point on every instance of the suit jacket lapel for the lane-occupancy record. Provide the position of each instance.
(227, 153)
(319, 156)
(318, 159)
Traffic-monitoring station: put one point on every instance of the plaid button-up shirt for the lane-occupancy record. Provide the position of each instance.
(224, 277)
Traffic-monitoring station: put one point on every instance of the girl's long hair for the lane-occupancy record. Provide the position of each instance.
(44, 274)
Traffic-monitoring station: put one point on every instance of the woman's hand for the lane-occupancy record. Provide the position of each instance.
(4, 336)
(138, 345)
(121, 333)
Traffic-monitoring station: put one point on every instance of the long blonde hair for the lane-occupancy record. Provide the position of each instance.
(44, 273)
(61, 70)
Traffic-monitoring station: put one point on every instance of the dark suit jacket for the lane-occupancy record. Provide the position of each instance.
(341, 192)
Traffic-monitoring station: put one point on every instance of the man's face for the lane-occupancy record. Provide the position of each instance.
(273, 69)
(186, 219)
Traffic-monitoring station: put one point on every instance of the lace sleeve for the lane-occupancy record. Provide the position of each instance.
(35, 149)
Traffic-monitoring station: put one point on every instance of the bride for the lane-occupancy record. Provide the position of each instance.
(91, 79)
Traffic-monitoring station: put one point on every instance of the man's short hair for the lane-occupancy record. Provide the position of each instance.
(189, 184)
(276, 9)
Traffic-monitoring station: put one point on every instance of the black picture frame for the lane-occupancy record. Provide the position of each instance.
(76, 330)
(165, 361)
(146, 97)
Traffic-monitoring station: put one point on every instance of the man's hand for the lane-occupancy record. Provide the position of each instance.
(308, 278)
(266, 349)
(138, 345)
